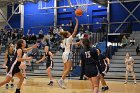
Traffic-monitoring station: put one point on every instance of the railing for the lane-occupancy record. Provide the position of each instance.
(76, 56)
(115, 43)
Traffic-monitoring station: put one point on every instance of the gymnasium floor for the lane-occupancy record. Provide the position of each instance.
(39, 85)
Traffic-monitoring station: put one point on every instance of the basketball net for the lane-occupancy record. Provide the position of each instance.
(82, 4)
(45, 5)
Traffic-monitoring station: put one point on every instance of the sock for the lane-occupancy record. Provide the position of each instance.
(17, 89)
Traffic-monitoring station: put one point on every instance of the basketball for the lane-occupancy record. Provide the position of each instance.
(78, 12)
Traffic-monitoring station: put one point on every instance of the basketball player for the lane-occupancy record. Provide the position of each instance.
(67, 54)
(49, 63)
(89, 57)
(13, 68)
(23, 64)
(104, 64)
(129, 63)
(7, 59)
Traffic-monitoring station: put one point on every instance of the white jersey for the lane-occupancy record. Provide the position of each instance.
(24, 56)
(68, 44)
(129, 60)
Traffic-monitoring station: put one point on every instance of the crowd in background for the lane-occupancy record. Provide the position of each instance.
(54, 40)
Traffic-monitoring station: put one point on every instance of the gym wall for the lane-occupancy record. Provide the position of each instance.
(36, 19)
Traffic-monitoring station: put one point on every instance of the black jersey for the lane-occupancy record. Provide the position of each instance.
(103, 64)
(89, 56)
(9, 57)
(48, 60)
(90, 59)
(102, 60)
(14, 58)
(14, 65)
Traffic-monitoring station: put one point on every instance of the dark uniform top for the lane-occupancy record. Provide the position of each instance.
(90, 59)
(103, 64)
(48, 60)
(9, 57)
(14, 65)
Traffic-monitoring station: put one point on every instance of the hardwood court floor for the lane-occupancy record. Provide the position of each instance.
(39, 85)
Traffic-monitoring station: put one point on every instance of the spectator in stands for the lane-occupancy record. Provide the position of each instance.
(13, 35)
(71, 26)
(51, 30)
(129, 63)
(9, 34)
(82, 74)
(80, 35)
(61, 29)
(0, 33)
(55, 31)
(81, 64)
(82, 29)
(46, 42)
(19, 34)
(124, 41)
(61, 47)
(41, 36)
(4, 40)
(138, 49)
(28, 38)
(24, 37)
(29, 31)
(87, 29)
(132, 42)
(33, 38)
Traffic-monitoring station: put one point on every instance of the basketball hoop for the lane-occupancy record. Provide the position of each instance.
(82, 4)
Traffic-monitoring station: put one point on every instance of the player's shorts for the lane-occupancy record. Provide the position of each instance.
(129, 68)
(66, 56)
(49, 64)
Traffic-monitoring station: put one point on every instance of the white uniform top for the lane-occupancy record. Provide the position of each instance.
(80, 36)
(129, 60)
(24, 56)
(62, 45)
(68, 44)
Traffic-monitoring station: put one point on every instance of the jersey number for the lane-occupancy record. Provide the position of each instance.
(87, 54)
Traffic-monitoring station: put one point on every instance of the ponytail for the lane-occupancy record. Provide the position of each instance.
(86, 43)
(64, 34)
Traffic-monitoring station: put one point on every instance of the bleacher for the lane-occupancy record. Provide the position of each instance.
(117, 65)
